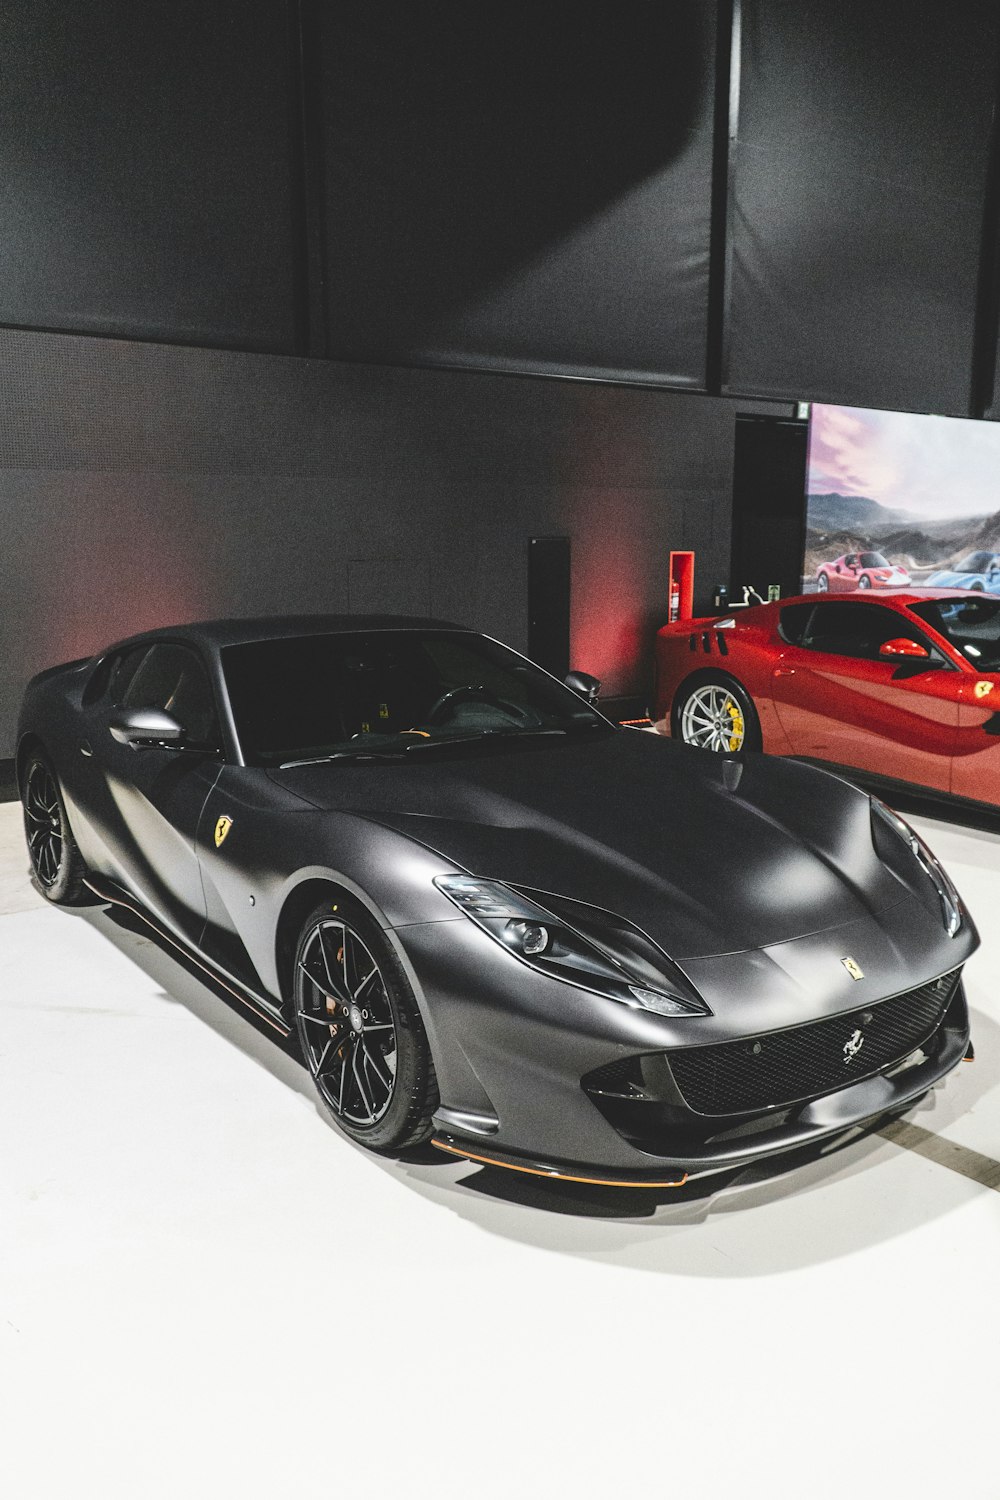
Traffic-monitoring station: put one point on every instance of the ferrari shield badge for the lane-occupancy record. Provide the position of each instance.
(222, 827)
(853, 968)
(982, 689)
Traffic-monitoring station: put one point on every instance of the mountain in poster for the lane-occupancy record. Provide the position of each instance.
(833, 512)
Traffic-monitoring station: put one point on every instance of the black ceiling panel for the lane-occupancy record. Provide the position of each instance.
(520, 185)
(146, 170)
(857, 207)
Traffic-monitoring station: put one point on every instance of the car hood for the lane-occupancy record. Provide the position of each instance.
(707, 853)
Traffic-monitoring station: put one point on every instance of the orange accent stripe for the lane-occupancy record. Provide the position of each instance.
(635, 721)
(189, 954)
(509, 1166)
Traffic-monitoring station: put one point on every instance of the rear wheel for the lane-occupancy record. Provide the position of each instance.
(360, 1031)
(823, 583)
(57, 867)
(714, 713)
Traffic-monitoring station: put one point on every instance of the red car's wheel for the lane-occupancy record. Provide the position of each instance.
(823, 583)
(713, 712)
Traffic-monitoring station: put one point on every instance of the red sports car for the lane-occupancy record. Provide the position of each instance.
(905, 687)
(860, 570)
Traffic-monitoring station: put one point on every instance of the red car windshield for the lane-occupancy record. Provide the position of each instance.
(971, 625)
(874, 560)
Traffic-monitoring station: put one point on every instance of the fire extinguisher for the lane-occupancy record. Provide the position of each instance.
(675, 600)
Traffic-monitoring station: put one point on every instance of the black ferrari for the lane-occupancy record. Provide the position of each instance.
(493, 918)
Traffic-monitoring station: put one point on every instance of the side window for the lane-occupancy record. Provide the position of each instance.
(123, 669)
(172, 678)
(793, 620)
(857, 630)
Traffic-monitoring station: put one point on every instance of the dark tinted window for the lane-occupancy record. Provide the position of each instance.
(793, 620)
(388, 692)
(874, 560)
(844, 629)
(972, 625)
(172, 678)
(977, 562)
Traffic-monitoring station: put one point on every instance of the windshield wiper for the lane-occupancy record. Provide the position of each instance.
(322, 760)
(419, 745)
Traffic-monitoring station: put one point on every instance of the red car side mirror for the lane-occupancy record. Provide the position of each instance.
(900, 646)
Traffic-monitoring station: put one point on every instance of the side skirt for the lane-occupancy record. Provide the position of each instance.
(114, 896)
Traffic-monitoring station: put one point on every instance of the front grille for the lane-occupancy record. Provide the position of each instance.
(785, 1067)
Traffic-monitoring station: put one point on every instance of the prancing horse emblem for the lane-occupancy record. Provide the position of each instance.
(222, 827)
(852, 1047)
(853, 968)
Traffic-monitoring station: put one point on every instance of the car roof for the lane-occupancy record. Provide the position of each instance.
(902, 596)
(215, 634)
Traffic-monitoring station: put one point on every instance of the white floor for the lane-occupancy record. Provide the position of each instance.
(204, 1291)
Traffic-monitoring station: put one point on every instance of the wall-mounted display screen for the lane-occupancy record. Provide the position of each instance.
(894, 499)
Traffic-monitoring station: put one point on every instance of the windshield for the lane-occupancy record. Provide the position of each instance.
(874, 560)
(389, 693)
(976, 562)
(971, 625)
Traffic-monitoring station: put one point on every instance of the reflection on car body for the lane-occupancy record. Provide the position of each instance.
(491, 917)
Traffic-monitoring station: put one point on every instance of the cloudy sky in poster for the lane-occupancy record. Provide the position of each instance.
(930, 467)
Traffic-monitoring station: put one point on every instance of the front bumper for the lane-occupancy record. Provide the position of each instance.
(516, 1054)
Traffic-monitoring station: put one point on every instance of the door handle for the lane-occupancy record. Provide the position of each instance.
(85, 748)
(784, 672)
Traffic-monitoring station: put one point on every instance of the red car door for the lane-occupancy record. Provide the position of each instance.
(976, 767)
(839, 700)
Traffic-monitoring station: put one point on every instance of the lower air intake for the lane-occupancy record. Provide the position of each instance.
(780, 1068)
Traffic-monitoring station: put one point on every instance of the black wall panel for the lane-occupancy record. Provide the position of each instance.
(857, 207)
(520, 186)
(147, 170)
(142, 484)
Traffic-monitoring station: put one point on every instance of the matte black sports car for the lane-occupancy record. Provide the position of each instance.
(491, 916)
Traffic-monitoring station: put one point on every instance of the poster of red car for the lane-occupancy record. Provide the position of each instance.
(897, 499)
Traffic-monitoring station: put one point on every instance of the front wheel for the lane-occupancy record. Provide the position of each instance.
(360, 1031)
(714, 713)
(57, 867)
(864, 582)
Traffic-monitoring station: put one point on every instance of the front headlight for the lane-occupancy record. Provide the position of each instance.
(581, 945)
(950, 901)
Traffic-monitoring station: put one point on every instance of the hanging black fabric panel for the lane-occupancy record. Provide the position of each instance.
(145, 170)
(856, 217)
(520, 185)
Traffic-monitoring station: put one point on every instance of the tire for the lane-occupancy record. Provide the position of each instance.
(864, 582)
(823, 584)
(360, 1031)
(713, 712)
(57, 867)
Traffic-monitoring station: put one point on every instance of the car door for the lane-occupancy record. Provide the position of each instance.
(145, 803)
(838, 700)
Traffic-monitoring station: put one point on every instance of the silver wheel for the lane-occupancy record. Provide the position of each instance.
(713, 720)
(822, 583)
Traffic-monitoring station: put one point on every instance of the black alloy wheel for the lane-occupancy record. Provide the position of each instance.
(57, 867)
(360, 1031)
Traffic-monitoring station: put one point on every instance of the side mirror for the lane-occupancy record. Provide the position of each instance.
(900, 646)
(581, 682)
(139, 727)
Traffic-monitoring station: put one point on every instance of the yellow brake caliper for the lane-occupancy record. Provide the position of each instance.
(736, 720)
